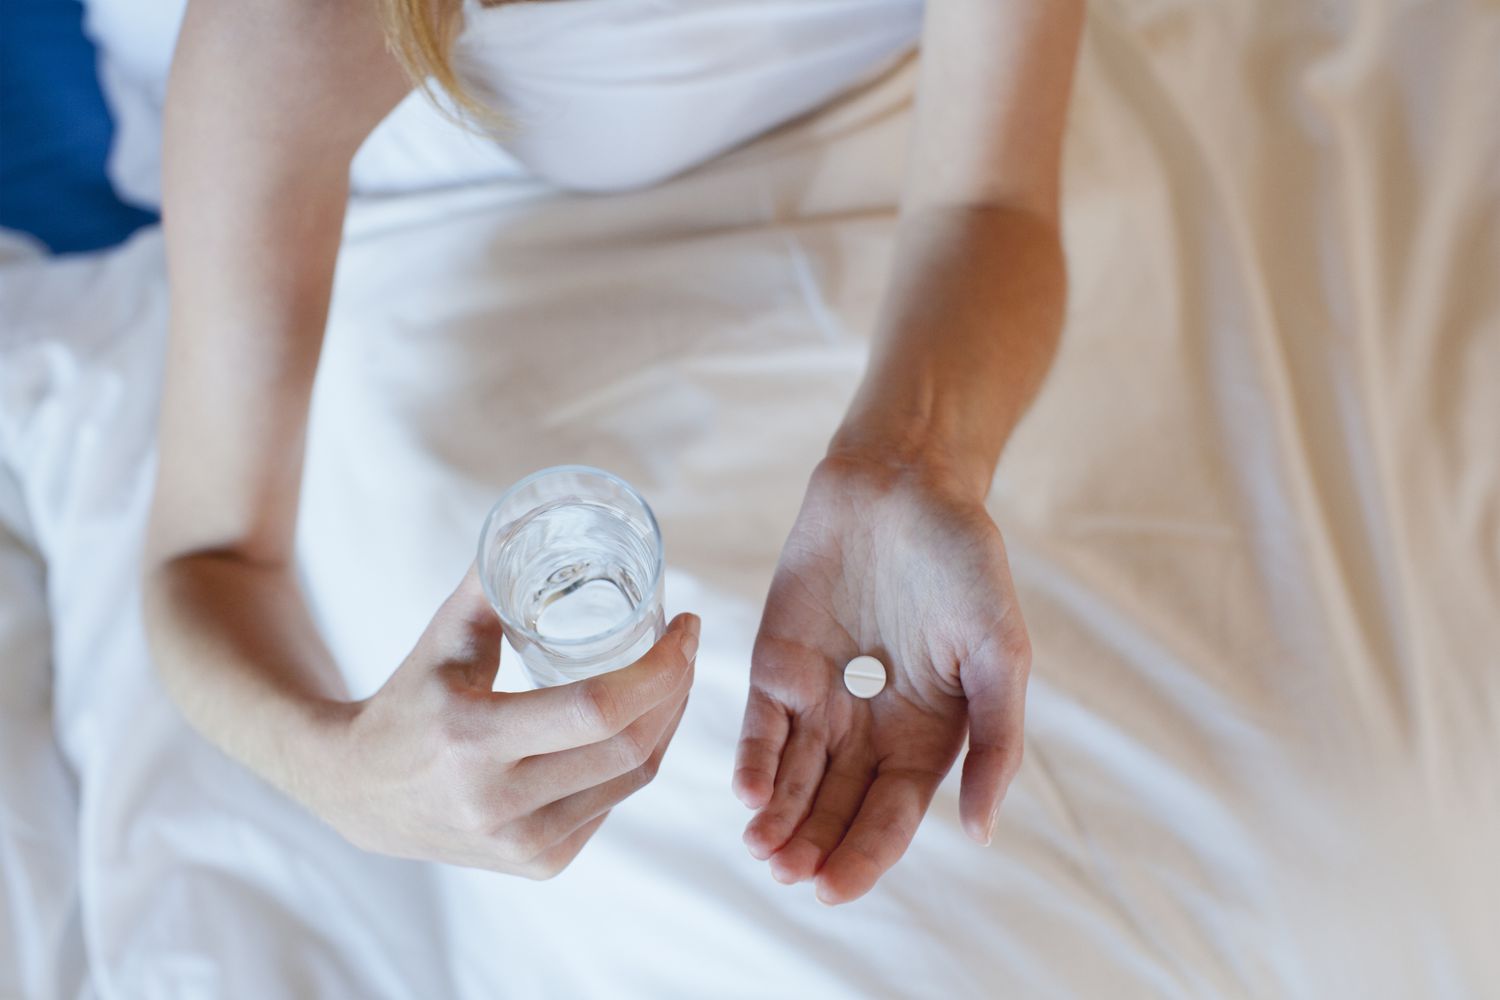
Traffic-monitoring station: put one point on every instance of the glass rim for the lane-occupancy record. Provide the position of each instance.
(636, 616)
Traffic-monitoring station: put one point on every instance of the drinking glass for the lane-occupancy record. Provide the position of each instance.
(571, 559)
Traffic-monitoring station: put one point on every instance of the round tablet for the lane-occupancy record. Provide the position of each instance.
(864, 676)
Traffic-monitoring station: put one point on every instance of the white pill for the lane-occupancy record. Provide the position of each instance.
(864, 677)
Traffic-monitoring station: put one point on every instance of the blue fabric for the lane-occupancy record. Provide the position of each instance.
(55, 131)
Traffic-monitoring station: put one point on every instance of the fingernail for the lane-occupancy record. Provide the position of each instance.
(989, 828)
(689, 638)
(757, 850)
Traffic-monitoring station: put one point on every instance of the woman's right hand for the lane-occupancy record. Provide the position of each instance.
(436, 765)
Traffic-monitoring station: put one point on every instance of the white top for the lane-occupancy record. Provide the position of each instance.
(604, 94)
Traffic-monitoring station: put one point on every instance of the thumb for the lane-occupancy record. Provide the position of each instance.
(465, 633)
(995, 687)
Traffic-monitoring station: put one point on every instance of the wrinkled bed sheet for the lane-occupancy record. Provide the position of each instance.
(1254, 520)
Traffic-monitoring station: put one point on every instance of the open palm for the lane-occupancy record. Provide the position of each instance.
(893, 565)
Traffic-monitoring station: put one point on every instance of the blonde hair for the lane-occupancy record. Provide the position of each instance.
(421, 35)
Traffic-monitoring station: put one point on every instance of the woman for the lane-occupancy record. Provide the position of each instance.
(893, 552)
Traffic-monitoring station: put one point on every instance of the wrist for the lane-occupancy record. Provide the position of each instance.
(317, 733)
(913, 449)
(966, 335)
(237, 654)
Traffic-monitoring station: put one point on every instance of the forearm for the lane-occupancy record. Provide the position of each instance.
(978, 289)
(967, 332)
(265, 108)
(238, 652)
(232, 639)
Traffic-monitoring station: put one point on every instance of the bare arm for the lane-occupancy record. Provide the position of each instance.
(975, 303)
(266, 106)
(894, 554)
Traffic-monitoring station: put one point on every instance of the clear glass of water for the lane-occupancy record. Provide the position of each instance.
(571, 559)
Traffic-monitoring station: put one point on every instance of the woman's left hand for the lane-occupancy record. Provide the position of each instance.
(901, 564)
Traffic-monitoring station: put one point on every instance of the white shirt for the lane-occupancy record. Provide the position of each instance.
(601, 94)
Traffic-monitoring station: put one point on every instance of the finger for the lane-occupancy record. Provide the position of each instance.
(552, 719)
(839, 798)
(996, 692)
(556, 776)
(797, 780)
(881, 832)
(554, 823)
(465, 633)
(762, 736)
(554, 860)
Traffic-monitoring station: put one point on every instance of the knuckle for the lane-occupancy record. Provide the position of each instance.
(793, 791)
(596, 707)
(472, 815)
(464, 729)
(867, 855)
(634, 750)
(774, 820)
(544, 868)
(1017, 649)
(516, 844)
(484, 814)
(501, 806)
(1013, 759)
(638, 778)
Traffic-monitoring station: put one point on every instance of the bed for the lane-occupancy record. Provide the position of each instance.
(1254, 521)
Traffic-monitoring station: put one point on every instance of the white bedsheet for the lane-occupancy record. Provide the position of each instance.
(1254, 520)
